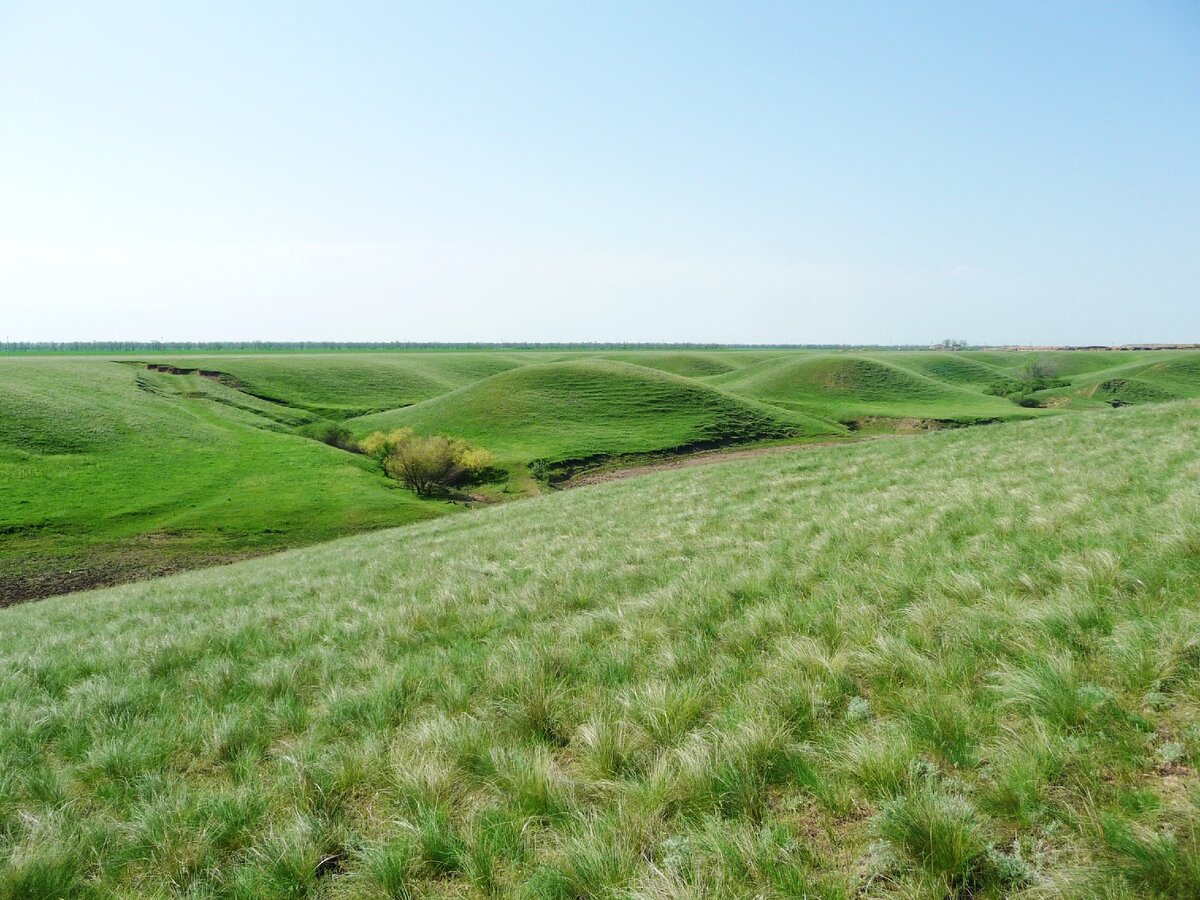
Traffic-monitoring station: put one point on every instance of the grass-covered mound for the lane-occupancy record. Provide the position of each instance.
(845, 387)
(692, 364)
(590, 407)
(110, 472)
(348, 384)
(951, 368)
(964, 665)
(1163, 377)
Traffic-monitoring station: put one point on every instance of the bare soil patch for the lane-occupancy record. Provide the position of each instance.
(702, 458)
(66, 577)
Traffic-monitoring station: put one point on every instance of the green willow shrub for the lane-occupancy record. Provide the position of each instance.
(426, 465)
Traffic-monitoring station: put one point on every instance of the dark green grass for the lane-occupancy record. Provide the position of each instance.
(961, 666)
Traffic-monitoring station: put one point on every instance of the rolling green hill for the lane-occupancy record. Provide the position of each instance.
(338, 385)
(843, 387)
(109, 472)
(1155, 379)
(961, 665)
(693, 364)
(952, 368)
(591, 407)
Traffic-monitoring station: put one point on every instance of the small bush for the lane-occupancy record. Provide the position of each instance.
(1038, 374)
(334, 435)
(380, 444)
(426, 465)
(1026, 400)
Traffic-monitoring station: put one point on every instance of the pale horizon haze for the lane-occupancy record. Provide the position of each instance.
(1016, 172)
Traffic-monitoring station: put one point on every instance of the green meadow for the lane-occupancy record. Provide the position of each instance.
(964, 664)
(120, 467)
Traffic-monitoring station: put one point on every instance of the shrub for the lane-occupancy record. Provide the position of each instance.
(380, 444)
(1026, 400)
(334, 435)
(426, 464)
(1038, 374)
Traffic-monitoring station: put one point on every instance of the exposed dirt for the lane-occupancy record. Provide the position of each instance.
(85, 576)
(203, 373)
(896, 426)
(703, 458)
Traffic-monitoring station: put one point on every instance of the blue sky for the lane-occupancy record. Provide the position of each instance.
(740, 172)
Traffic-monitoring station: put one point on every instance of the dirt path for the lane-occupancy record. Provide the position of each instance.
(703, 458)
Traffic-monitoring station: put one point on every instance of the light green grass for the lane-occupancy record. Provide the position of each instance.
(963, 665)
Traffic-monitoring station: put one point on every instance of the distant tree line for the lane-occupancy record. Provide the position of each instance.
(208, 346)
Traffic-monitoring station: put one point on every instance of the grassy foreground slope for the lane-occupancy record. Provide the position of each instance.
(960, 665)
(590, 407)
(109, 472)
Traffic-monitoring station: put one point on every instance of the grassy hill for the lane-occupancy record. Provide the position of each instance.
(590, 407)
(338, 385)
(959, 369)
(847, 387)
(693, 364)
(112, 471)
(1161, 379)
(109, 472)
(964, 665)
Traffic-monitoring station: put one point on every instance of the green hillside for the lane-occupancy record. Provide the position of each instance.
(338, 385)
(110, 472)
(952, 368)
(846, 387)
(591, 407)
(964, 665)
(1147, 378)
(693, 364)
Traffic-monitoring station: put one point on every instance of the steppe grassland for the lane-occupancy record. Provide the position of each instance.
(111, 472)
(965, 664)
